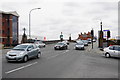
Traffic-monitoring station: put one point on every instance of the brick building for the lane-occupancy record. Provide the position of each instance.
(84, 36)
(9, 28)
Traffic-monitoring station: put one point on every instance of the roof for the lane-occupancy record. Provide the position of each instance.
(11, 12)
(26, 44)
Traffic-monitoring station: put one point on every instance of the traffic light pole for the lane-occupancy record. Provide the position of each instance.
(108, 36)
(92, 42)
(92, 35)
(107, 41)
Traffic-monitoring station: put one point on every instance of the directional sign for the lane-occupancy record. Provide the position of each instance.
(105, 33)
(61, 36)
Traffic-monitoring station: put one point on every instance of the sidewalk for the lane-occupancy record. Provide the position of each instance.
(95, 48)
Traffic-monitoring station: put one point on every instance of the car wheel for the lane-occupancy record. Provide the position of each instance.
(25, 59)
(107, 55)
(38, 55)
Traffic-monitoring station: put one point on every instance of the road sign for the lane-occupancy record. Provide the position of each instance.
(61, 36)
(106, 33)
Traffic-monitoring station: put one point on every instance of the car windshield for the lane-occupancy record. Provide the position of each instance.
(60, 43)
(20, 47)
(89, 39)
(84, 41)
(79, 44)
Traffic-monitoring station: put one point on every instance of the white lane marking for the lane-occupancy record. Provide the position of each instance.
(57, 54)
(21, 68)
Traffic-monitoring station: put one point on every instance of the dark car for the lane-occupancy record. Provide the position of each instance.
(60, 45)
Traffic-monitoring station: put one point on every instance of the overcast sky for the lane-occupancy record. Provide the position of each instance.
(67, 16)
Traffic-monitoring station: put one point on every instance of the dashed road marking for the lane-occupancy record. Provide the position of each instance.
(21, 68)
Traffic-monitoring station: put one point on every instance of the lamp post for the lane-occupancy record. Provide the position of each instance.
(30, 21)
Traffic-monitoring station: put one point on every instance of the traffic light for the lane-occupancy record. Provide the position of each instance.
(108, 34)
(92, 32)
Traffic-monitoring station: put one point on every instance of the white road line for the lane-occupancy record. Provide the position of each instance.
(21, 68)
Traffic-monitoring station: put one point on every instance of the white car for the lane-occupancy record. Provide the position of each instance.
(40, 44)
(112, 51)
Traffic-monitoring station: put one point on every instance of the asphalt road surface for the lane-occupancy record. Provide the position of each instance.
(69, 63)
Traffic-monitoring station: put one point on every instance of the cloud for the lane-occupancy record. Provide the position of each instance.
(73, 16)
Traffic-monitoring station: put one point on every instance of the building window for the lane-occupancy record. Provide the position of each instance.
(8, 22)
(3, 39)
(3, 16)
(3, 31)
(3, 23)
(0, 31)
(0, 39)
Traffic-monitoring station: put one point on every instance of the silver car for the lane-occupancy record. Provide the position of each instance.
(23, 52)
(79, 45)
(112, 51)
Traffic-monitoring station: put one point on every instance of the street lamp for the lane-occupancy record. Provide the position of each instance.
(30, 21)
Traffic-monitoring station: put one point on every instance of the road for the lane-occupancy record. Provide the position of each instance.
(69, 63)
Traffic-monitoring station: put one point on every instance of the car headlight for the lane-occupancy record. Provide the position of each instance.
(61, 46)
(76, 45)
(20, 54)
(7, 54)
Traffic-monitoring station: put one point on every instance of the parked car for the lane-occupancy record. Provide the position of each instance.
(112, 51)
(79, 45)
(60, 45)
(85, 42)
(23, 52)
(40, 44)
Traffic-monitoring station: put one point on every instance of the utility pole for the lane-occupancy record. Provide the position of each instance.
(92, 35)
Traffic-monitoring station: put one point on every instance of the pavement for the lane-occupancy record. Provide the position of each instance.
(88, 63)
